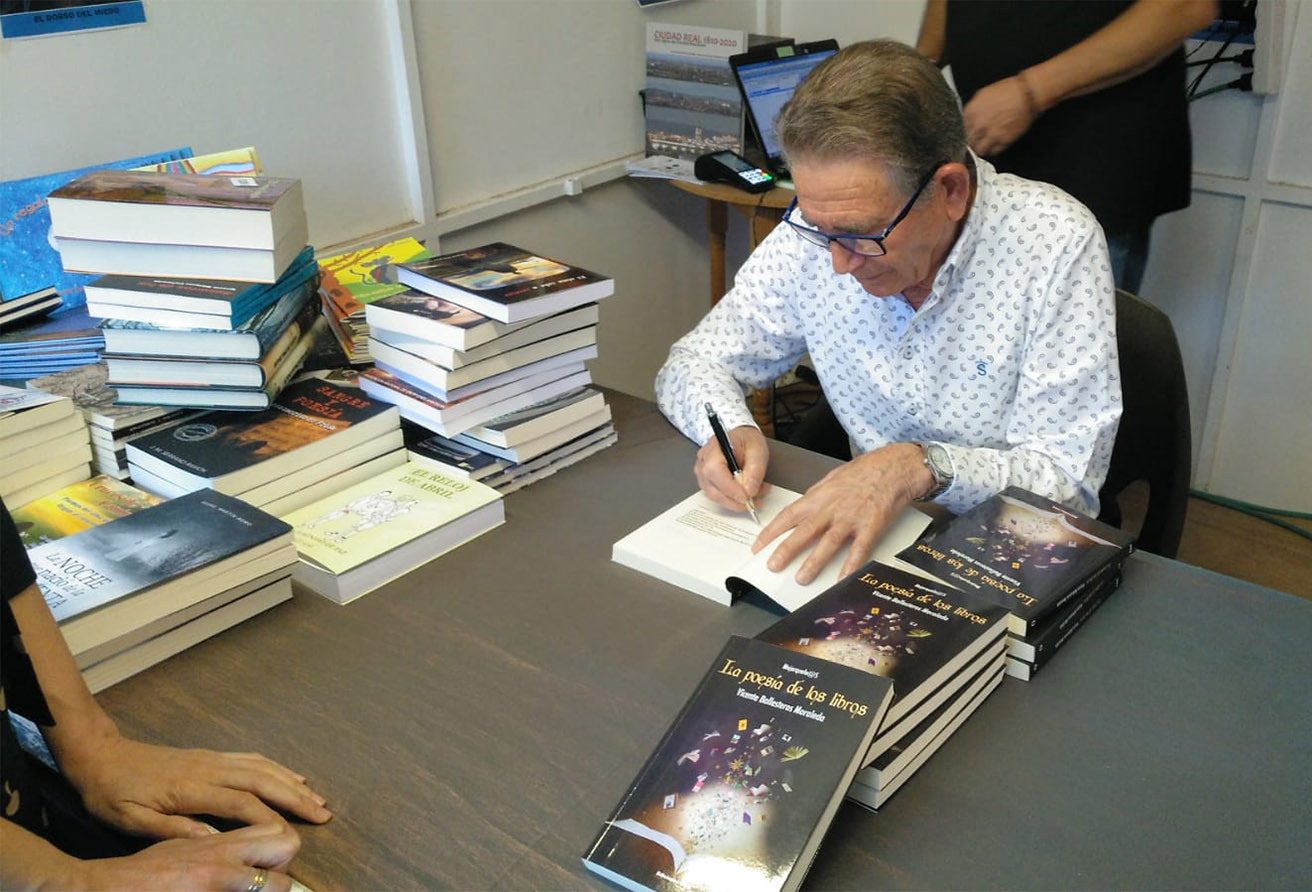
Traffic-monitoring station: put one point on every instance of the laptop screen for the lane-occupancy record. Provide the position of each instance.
(769, 83)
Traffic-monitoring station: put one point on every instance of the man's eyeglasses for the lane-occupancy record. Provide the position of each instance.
(864, 245)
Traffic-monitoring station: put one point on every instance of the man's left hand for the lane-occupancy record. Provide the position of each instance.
(852, 503)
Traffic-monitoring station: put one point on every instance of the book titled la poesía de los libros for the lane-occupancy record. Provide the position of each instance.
(897, 625)
(1024, 551)
(367, 534)
(742, 786)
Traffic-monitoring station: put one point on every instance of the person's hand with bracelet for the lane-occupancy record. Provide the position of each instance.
(999, 114)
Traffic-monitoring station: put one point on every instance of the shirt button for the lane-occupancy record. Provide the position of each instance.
(912, 410)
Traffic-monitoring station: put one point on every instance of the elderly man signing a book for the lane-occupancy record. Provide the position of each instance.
(961, 321)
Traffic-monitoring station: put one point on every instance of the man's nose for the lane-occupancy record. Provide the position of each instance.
(844, 261)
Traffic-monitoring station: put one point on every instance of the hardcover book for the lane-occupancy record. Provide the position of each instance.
(109, 579)
(706, 549)
(504, 282)
(368, 534)
(740, 790)
(896, 625)
(177, 208)
(80, 506)
(1023, 551)
(310, 420)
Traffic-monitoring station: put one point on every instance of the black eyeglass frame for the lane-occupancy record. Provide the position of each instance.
(849, 241)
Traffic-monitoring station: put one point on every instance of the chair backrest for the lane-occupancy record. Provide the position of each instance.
(1153, 442)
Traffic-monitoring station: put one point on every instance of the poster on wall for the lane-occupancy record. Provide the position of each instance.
(34, 18)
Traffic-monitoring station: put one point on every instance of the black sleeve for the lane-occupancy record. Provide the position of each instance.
(22, 691)
(15, 569)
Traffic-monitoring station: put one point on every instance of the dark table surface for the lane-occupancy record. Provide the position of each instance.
(472, 723)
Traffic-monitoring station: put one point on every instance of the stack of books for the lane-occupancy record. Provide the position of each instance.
(207, 278)
(110, 424)
(1051, 567)
(362, 537)
(316, 438)
(144, 586)
(28, 307)
(350, 281)
(63, 340)
(943, 650)
(743, 786)
(488, 349)
(44, 444)
(514, 450)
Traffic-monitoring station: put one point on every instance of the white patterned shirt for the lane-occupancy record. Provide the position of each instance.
(1010, 362)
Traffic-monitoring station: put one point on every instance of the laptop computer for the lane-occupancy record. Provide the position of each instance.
(767, 77)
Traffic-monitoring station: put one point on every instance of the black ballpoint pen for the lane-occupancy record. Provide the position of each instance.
(722, 437)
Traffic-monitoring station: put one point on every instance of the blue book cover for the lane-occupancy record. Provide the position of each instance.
(28, 259)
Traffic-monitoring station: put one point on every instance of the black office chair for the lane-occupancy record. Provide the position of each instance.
(1152, 443)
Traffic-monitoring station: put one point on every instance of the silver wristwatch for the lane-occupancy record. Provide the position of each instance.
(940, 466)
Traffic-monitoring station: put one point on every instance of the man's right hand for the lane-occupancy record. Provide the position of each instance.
(713, 476)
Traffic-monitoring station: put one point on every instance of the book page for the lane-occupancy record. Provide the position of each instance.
(783, 588)
(696, 544)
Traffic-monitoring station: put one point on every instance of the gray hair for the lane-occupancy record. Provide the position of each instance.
(879, 100)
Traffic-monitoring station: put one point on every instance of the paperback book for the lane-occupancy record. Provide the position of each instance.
(177, 208)
(706, 549)
(1026, 656)
(445, 455)
(450, 335)
(453, 416)
(691, 101)
(897, 625)
(27, 307)
(310, 420)
(1023, 551)
(193, 303)
(109, 579)
(740, 790)
(504, 282)
(65, 339)
(77, 507)
(249, 340)
(88, 387)
(361, 538)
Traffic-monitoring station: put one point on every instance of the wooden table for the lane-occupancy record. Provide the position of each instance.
(763, 211)
(473, 722)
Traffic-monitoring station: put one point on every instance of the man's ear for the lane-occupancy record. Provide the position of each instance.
(954, 180)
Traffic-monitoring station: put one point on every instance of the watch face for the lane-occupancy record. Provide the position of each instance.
(940, 464)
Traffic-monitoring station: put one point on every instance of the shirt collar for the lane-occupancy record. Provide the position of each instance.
(964, 247)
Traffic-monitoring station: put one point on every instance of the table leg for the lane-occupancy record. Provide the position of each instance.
(717, 224)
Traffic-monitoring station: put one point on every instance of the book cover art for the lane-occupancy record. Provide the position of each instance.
(16, 399)
(356, 278)
(691, 101)
(178, 189)
(77, 507)
(370, 518)
(432, 309)
(219, 443)
(28, 259)
(502, 273)
(894, 624)
(740, 788)
(107, 562)
(457, 458)
(87, 386)
(1021, 550)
